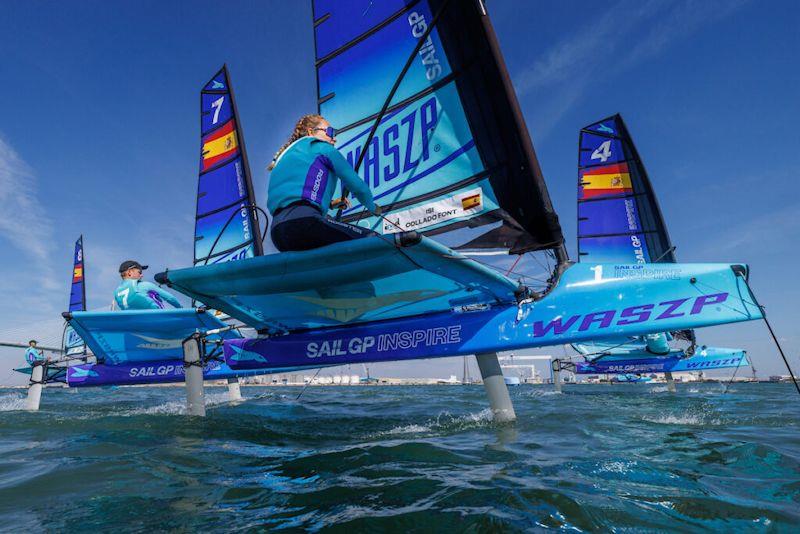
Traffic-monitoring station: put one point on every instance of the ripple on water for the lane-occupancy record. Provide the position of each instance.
(593, 458)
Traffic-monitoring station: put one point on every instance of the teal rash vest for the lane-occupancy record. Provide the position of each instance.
(33, 355)
(140, 295)
(308, 170)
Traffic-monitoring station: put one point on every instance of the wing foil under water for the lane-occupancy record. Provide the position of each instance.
(226, 226)
(452, 150)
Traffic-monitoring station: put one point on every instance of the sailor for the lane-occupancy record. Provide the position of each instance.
(136, 294)
(33, 355)
(304, 175)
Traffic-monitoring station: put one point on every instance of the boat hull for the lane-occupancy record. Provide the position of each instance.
(589, 303)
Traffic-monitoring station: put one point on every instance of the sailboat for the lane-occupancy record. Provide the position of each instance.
(73, 348)
(73, 343)
(428, 116)
(619, 220)
(145, 346)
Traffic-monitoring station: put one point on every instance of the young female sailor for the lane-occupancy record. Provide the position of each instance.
(304, 175)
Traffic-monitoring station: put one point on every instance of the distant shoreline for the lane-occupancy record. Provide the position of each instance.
(418, 382)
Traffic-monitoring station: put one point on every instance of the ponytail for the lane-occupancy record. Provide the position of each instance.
(305, 123)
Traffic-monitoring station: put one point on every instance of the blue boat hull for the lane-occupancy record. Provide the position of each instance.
(628, 300)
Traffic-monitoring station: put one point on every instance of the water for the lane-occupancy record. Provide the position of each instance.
(353, 459)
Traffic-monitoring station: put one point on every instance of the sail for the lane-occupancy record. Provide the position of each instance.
(73, 344)
(226, 225)
(619, 220)
(452, 149)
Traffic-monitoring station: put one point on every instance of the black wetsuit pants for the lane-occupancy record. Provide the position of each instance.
(304, 227)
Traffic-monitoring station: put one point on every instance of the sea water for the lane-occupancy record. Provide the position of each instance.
(600, 457)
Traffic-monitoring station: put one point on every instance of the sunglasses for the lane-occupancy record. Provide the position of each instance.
(330, 131)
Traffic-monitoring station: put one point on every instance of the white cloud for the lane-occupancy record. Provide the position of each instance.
(620, 38)
(23, 220)
(756, 232)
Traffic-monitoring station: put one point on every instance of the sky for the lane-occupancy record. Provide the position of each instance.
(99, 133)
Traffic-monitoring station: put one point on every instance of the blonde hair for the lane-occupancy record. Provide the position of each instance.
(305, 123)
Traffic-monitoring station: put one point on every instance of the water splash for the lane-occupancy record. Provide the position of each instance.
(534, 393)
(687, 418)
(444, 422)
(10, 403)
(178, 407)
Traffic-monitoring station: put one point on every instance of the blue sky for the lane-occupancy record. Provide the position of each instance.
(99, 131)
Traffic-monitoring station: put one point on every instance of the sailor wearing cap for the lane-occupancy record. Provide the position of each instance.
(33, 355)
(136, 294)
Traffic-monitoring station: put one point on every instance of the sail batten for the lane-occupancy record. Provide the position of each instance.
(226, 222)
(451, 148)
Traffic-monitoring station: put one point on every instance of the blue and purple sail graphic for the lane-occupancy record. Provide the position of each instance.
(452, 148)
(73, 343)
(226, 225)
(619, 220)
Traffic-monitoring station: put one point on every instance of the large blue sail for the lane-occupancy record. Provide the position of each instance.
(73, 344)
(452, 149)
(226, 225)
(619, 220)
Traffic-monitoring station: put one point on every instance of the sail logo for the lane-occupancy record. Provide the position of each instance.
(433, 68)
(73, 338)
(392, 153)
(630, 214)
(638, 251)
(670, 309)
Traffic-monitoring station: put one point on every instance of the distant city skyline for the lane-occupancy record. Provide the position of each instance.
(99, 134)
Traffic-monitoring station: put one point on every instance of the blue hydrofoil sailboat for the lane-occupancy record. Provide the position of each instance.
(428, 116)
(619, 220)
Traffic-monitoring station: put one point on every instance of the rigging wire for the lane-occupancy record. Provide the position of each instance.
(772, 333)
(511, 269)
(308, 384)
(736, 370)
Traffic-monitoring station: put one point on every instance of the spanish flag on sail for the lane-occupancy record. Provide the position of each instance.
(77, 273)
(609, 180)
(220, 145)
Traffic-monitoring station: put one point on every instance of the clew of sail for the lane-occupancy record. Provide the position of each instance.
(73, 343)
(619, 220)
(226, 224)
(452, 149)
